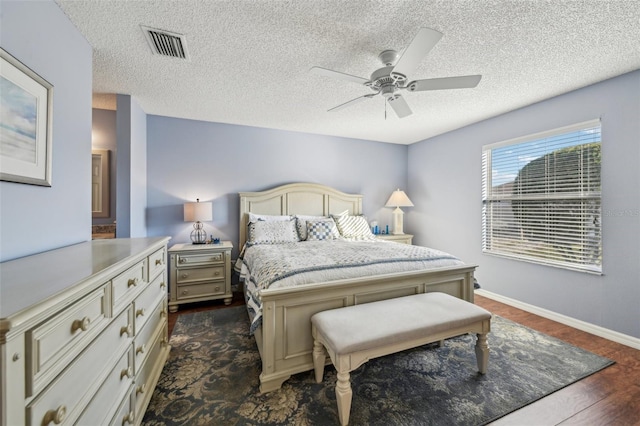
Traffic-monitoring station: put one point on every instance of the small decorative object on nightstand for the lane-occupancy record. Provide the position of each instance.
(199, 272)
(403, 238)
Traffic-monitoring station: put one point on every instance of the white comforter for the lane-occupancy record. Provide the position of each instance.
(266, 266)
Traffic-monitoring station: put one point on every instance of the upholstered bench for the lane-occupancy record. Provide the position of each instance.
(355, 334)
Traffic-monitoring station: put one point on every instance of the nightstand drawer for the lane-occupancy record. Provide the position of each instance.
(201, 290)
(200, 259)
(188, 275)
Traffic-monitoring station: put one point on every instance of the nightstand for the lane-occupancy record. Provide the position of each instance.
(400, 238)
(199, 272)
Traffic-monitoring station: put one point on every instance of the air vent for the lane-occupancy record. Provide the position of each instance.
(166, 43)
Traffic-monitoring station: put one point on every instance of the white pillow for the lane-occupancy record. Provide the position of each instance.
(267, 218)
(272, 232)
(353, 227)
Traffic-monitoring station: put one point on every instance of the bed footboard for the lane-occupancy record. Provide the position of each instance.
(285, 340)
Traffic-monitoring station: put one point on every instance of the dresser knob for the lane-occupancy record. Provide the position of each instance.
(55, 416)
(163, 285)
(128, 330)
(132, 282)
(185, 292)
(182, 260)
(141, 389)
(185, 275)
(158, 261)
(217, 273)
(129, 418)
(82, 324)
(141, 349)
(127, 372)
(217, 288)
(140, 312)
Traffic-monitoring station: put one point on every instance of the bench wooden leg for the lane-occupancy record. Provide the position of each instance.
(482, 353)
(343, 397)
(319, 358)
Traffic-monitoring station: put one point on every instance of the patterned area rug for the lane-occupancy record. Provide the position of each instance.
(211, 378)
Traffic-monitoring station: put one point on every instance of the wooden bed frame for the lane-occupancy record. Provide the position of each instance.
(284, 339)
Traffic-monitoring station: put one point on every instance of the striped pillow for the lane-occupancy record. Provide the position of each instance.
(353, 227)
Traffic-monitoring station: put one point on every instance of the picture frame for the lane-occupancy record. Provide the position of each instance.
(26, 113)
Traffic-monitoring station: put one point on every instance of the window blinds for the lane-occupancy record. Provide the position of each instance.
(541, 198)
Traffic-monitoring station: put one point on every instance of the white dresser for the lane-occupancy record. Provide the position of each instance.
(83, 332)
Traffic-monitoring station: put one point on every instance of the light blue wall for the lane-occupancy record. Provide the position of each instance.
(35, 218)
(131, 158)
(444, 175)
(190, 159)
(103, 136)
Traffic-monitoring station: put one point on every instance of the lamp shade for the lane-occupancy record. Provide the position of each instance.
(198, 212)
(399, 199)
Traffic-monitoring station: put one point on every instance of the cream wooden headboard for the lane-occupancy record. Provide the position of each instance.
(296, 198)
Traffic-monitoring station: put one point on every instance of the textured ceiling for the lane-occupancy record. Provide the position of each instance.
(249, 60)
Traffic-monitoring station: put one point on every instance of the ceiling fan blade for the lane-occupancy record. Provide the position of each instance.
(351, 102)
(400, 106)
(336, 74)
(462, 82)
(421, 44)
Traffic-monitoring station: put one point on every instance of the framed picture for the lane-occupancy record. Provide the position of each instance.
(26, 109)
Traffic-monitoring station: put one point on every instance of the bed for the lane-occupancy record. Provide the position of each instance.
(283, 336)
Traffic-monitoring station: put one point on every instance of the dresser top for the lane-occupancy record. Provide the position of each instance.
(30, 280)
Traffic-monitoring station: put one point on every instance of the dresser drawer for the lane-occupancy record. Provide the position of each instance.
(124, 286)
(157, 263)
(69, 393)
(199, 259)
(102, 407)
(147, 374)
(201, 290)
(144, 338)
(126, 414)
(148, 300)
(53, 344)
(190, 275)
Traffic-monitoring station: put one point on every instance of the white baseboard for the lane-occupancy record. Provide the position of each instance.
(615, 336)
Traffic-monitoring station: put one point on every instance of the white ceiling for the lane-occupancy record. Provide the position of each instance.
(249, 59)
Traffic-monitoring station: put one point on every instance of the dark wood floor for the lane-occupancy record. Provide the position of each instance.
(609, 397)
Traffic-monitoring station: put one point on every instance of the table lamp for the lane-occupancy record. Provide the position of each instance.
(198, 212)
(398, 199)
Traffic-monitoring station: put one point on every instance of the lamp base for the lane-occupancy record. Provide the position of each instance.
(398, 217)
(198, 235)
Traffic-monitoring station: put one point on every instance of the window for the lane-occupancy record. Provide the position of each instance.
(541, 198)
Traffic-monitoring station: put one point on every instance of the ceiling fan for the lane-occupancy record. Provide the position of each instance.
(391, 79)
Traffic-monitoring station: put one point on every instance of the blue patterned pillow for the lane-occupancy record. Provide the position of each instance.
(322, 230)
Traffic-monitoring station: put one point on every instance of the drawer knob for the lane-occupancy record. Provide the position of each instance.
(185, 292)
(158, 261)
(127, 372)
(140, 312)
(132, 282)
(185, 275)
(81, 324)
(141, 349)
(182, 260)
(128, 330)
(55, 416)
(163, 285)
(129, 418)
(141, 389)
(217, 273)
(218, 288)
